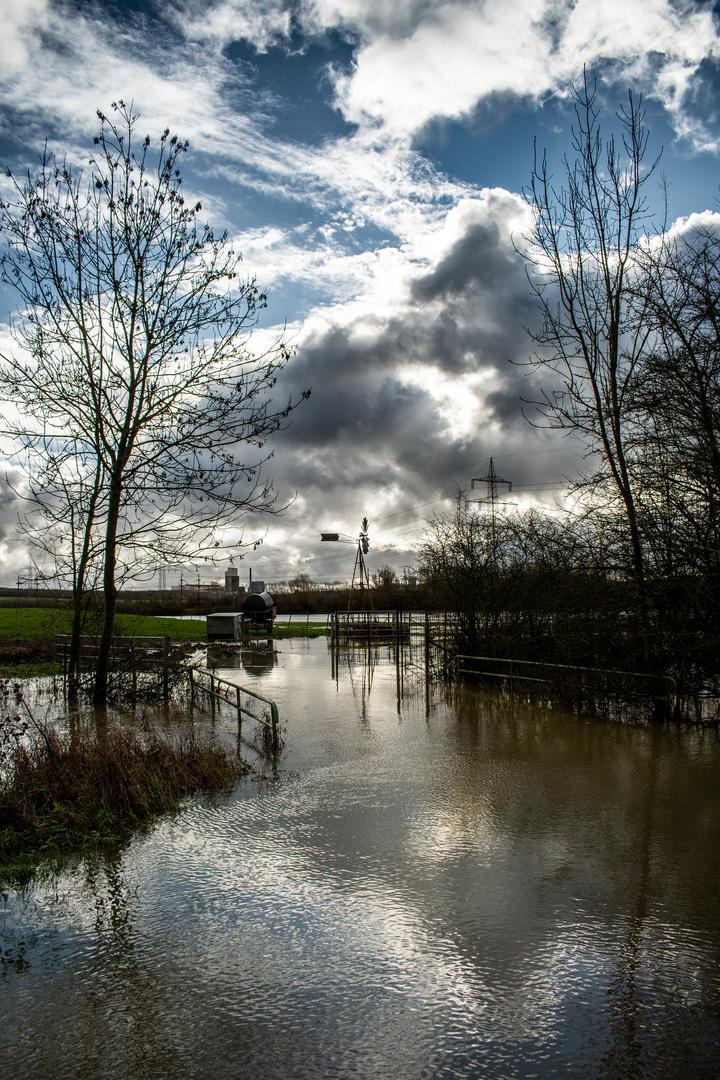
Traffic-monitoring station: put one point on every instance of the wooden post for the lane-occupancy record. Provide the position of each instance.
(427, 646)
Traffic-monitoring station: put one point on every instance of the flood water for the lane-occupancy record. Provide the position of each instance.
(431, 883)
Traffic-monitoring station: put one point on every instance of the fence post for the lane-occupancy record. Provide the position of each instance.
(239, 711)
(166, 665)
(427, 646)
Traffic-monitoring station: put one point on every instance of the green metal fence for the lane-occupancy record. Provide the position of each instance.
(224, 690)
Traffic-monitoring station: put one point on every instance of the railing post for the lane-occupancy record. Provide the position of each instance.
(239, 711)
(166, 665)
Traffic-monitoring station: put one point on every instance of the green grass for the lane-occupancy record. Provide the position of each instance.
(31, 624)
(155, 626)
(29, 670)
(303, 630)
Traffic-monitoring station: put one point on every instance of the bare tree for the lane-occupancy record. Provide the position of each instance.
(385, 577)
(677, 397)
(137, 389)
(581, 265)
(679, 386)
(302, 582)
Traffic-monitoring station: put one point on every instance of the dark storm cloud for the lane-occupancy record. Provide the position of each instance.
(476, 259)
(384, 390)
(12, 554)
(463, 318)
(409, 403)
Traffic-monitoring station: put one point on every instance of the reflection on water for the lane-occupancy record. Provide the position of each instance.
(439, 884)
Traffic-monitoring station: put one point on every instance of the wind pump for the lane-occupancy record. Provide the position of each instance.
(360, 594)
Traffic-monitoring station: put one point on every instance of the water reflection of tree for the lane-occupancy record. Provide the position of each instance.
(123, 986)
(625, 1057)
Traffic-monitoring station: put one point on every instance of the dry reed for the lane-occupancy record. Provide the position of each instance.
(62, 791)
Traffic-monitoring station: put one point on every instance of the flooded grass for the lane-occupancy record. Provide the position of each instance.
(68, 791)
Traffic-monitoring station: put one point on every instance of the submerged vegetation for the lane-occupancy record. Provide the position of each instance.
(80, 789)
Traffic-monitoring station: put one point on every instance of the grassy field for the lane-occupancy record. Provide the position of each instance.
(32, 624)
(37, 624)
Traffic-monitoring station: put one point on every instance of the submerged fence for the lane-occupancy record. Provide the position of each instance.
(586, 688)
(137, 664)
(219, 689)
(423, 644)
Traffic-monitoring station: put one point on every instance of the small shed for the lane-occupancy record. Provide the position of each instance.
(223, 625)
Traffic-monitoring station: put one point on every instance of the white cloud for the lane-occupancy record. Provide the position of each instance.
(239, 20)
(454, 58)
(458, 54)
(21, 20)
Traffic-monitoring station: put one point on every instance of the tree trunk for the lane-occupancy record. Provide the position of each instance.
(100, 687)
(79, 591)
(73, 683)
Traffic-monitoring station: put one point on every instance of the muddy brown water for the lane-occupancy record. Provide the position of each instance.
(426, 884)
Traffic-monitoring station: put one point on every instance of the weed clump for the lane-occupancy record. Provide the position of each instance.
(69, 791)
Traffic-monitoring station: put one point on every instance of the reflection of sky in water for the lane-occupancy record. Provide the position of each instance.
(460, 888)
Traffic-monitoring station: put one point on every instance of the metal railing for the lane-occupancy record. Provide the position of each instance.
(216, 692)
(518, 670)
(127, 650)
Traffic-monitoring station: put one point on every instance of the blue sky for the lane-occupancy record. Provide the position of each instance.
(369, 159)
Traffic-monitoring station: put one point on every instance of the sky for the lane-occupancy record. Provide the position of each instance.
(369, 159)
